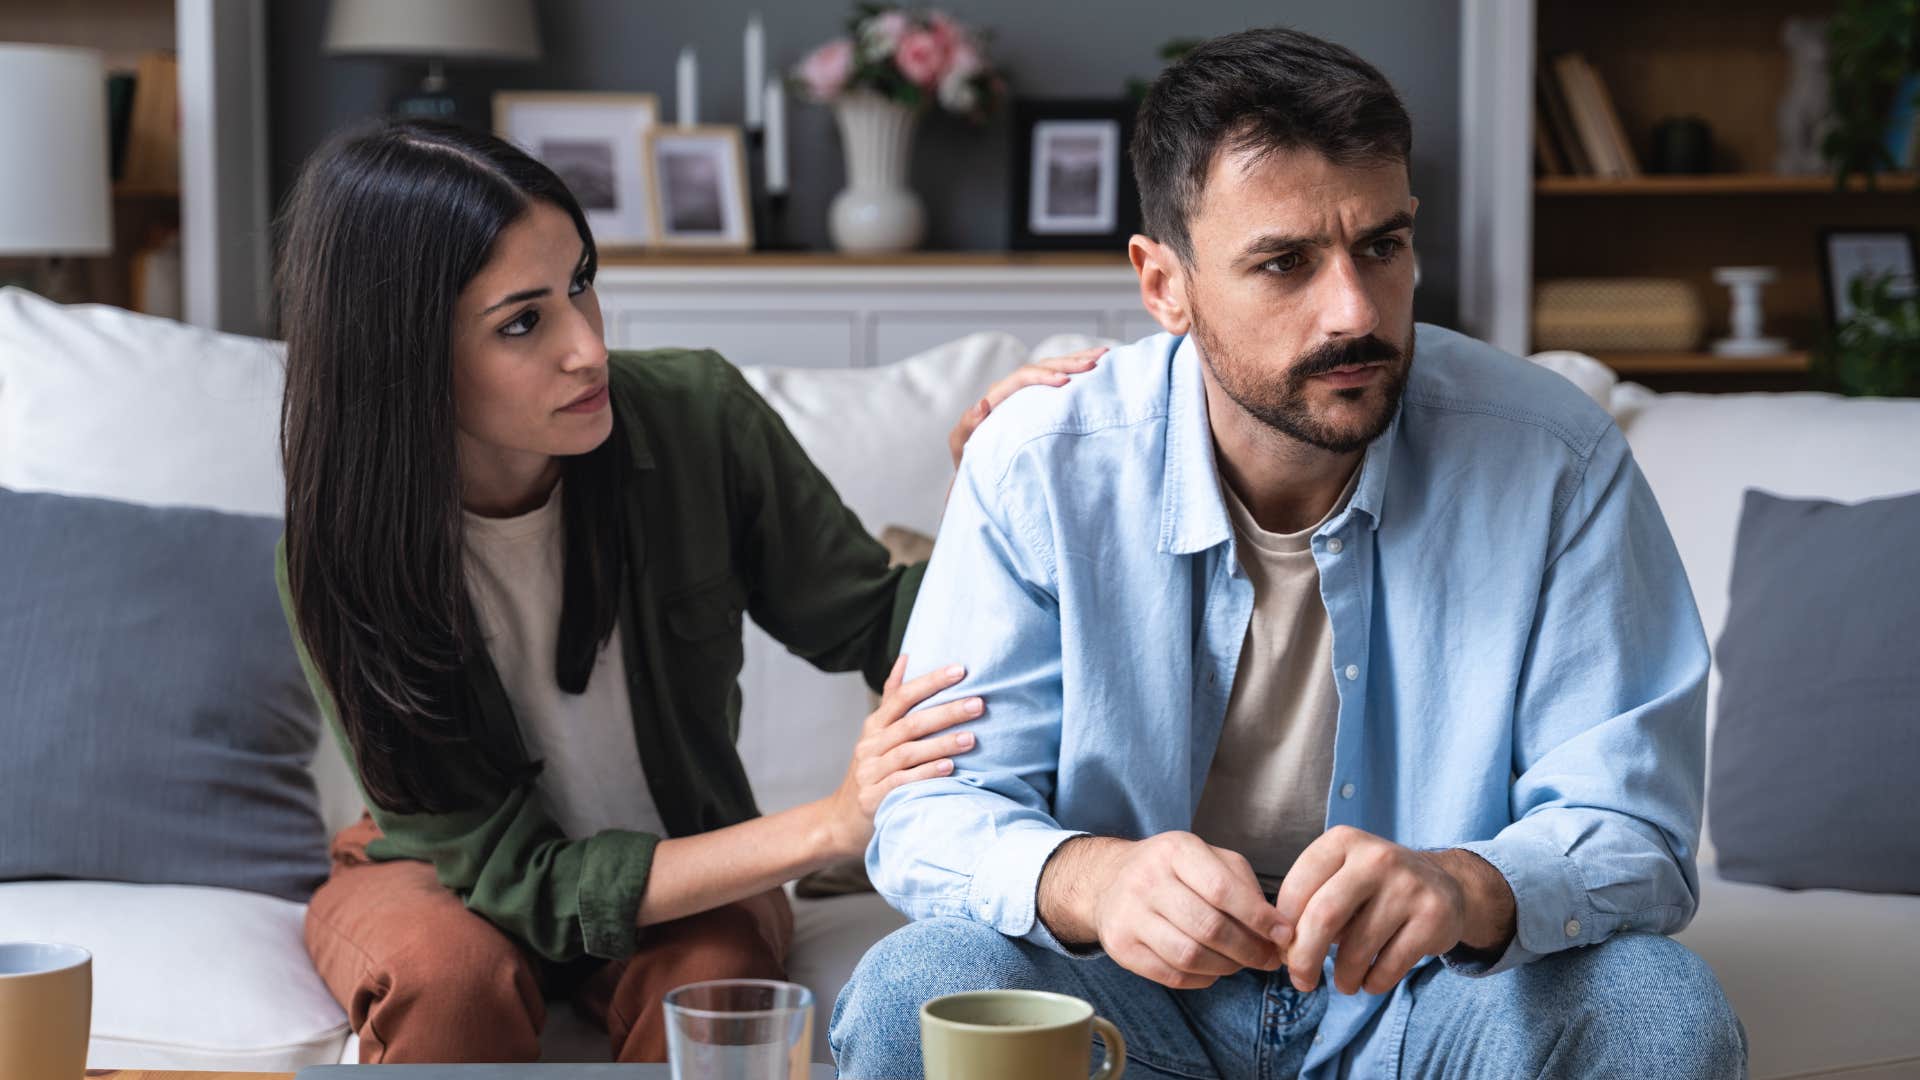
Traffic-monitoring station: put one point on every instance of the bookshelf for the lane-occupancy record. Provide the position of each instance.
(1722, 61)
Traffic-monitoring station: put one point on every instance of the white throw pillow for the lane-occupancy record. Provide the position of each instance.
(99, 401)
(1594, 378)
(880, 436)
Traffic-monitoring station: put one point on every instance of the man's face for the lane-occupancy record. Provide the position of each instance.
(1300, 292)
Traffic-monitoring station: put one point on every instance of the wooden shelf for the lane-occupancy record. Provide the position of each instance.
(1702, 363)
(834, 259)
(1724, 184)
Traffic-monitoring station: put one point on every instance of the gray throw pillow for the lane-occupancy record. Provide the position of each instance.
(1818, 740)
(154, 724)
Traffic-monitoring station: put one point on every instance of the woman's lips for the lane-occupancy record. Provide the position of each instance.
(592, 402)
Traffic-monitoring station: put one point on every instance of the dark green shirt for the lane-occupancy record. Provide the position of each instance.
(725, 514)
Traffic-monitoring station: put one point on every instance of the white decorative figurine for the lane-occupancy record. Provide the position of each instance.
(1806, 111)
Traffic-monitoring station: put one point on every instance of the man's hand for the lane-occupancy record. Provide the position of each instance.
(1170, 908)
(1387, 906)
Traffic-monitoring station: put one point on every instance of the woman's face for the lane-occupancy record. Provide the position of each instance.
(529, 358)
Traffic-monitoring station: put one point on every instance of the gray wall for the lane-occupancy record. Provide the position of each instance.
(1047, 48)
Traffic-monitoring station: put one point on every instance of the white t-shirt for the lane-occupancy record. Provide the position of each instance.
(592, 780)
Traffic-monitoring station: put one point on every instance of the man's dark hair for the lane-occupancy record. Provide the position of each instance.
(1264, 91)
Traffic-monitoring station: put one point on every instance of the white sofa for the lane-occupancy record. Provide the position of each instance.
(1828, 983)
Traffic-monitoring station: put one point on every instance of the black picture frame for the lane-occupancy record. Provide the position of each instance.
(1105, 124)
(1832, 288)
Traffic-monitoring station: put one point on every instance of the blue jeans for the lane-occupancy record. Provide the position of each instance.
(1637, 1006)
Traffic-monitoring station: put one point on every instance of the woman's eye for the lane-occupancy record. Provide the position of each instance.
(523, 324)
(581, 284)
(1283, 264)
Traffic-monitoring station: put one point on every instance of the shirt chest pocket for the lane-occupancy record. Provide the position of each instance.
(703, 645)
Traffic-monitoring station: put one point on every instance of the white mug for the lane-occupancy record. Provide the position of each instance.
(46, 1010)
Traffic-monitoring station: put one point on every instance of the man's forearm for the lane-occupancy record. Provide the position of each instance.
(1070, 887)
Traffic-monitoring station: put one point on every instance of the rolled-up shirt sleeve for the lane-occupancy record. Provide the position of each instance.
(1609, 732)
(973, 844)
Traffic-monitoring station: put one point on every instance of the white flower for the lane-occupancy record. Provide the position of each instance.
(880, 35)
(957, 92)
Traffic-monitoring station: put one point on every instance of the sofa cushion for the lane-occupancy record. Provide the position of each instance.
(1824, 980)
(187, 977)
(101, 401)
(1816, 749)
(1701, 451)
(798, 725)
(157, 725)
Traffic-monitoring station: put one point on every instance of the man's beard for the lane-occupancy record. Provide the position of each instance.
(1283, 405)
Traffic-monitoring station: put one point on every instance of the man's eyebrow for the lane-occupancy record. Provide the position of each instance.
(532, 294)
(1272, 242)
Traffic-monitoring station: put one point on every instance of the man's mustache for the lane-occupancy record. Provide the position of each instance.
(1339, 354)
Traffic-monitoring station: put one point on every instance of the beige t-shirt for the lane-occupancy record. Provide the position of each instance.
(592, 779)
(1266, 792)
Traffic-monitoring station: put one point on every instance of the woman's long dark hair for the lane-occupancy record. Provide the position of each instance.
(385, 227)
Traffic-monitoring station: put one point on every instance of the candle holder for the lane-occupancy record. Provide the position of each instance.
(1746, 317)
(769, 208)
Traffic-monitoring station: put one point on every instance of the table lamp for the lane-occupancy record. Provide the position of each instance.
(439, 32)
(55, 199)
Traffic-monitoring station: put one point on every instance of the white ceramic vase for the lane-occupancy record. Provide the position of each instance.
(877, 211)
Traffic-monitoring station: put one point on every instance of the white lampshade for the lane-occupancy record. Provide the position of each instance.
(54, 197)
(438, 29)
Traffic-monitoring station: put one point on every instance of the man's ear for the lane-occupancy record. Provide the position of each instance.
(1163, 283)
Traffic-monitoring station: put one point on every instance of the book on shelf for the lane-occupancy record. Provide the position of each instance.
(1551, 109)
(1594, 120)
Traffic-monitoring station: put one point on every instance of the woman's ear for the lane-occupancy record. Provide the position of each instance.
(1163, 283)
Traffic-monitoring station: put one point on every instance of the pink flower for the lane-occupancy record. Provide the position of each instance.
(922, 58)
(826, 69)
(964, 61)
(950, 32)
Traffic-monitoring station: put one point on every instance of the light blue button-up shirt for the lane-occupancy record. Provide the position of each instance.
(1520, 665)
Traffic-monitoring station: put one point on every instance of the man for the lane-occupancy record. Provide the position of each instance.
(1316, 646)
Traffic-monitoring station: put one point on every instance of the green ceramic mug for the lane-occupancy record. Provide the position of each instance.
(1015, 1035)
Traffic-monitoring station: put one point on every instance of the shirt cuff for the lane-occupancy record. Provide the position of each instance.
(1551, 911)
(613, 877)
(1004, 892)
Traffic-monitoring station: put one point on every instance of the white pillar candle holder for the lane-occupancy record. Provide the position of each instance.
(1747, 317)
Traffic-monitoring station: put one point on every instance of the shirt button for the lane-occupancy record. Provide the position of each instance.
(1353, 672)
(1212, 678)
(1573, 927)
(1346, 791)
(1334, 545)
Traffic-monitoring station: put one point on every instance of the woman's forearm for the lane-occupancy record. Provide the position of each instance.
(692, 874)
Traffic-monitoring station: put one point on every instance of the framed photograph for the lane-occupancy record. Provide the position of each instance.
(594, 142)
(1846, 254)
(1072, 181)
(699, 180)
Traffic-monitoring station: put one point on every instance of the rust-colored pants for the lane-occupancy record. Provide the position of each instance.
(425, 980)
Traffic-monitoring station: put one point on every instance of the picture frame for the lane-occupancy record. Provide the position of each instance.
(1073, 185)
(1846, 253)
(701, 198)
(595, 143)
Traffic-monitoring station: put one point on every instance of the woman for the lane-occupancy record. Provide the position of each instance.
(516, 566)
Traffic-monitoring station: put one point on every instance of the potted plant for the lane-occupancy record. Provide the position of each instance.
(1876, 351)
(894, 64)
(1872, 46)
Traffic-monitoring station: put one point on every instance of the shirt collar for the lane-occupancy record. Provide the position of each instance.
(1193, 515)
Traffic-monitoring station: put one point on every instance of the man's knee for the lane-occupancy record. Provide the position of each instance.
(1649, 999)
(879, 1008)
